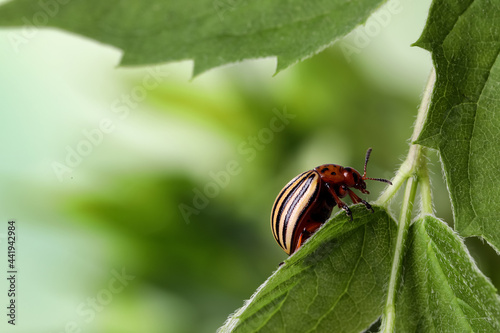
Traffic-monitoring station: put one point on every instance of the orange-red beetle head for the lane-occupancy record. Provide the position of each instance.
(353, 178)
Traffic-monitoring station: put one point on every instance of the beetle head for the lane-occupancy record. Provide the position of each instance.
(352, 178)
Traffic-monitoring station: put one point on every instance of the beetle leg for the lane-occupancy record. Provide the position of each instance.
(357, 199)
(307, 232)
(347, 210)
(302, 238)
(304, 235)
(299, 242)
(340, 203)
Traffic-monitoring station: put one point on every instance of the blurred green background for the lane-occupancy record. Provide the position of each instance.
(117, 213)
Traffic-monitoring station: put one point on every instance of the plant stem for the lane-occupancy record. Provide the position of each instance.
(413, 160)
(425, 185)
(424, 106)
(413, 170)
(404, 224)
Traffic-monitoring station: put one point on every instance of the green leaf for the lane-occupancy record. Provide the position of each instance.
(463, 122)
(443, 290)
(211, 32)
(335, 283)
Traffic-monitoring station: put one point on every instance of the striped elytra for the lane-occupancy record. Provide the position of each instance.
(291, 206)
(307, 201)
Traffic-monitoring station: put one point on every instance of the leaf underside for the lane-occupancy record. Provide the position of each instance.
(210, 32)
(336, 282)
(464, 116)
(442, 289)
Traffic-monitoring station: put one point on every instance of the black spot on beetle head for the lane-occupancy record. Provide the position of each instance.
(355, 177)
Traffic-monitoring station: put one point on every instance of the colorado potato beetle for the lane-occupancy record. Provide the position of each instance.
(307, 201)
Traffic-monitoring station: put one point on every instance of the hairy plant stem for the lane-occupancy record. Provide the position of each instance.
(389, 317)
(414, 161)
(425, 185)
(412, 171)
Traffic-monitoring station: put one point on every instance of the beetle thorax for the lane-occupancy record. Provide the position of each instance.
(332, 174)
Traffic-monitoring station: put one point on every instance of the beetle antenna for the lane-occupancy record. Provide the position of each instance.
(368, 152)
(380, 180)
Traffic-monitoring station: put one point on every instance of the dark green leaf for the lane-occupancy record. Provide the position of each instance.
(443, 290)
(211, 32)
(464, 117)
(335, 283)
